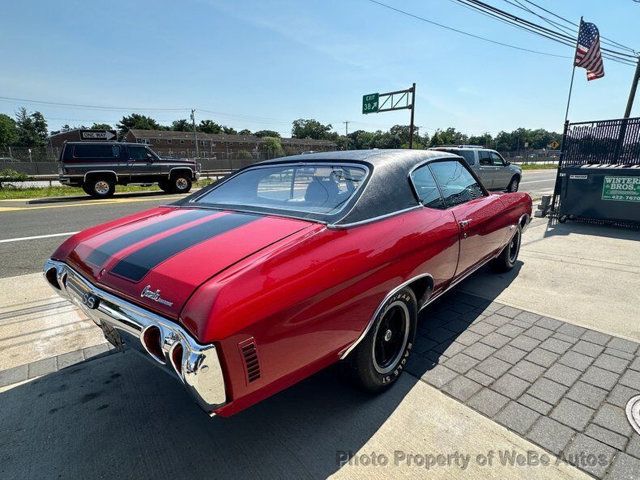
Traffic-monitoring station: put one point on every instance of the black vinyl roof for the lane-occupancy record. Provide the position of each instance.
(387, 190)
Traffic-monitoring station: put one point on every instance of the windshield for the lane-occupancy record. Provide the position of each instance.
(318, 190)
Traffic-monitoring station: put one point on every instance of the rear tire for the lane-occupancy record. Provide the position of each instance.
(379, 359)
(100, 187)
(180, 183)
(509, 255)
(514, 184)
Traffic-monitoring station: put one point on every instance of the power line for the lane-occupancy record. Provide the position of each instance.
(575, 24)
(478, 37)
(254, 119)
(534, 27)
(540, 30)
(94, 107)
(605, 40)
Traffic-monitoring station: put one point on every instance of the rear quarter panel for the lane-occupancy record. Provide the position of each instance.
(306, 302)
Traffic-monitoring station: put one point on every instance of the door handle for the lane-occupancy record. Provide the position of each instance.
(463, 225)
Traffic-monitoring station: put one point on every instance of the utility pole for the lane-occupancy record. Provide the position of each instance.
(413, 109)
(632, 93)
(346, 133)
(195, 132)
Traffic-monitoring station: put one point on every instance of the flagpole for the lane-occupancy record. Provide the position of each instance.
(556, 188)
(573, 74)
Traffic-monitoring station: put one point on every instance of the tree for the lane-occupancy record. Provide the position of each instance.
(101, 126)
(31, 129)
(8, 130)
(484, 140)
(272, 147)
(450, 136)
(137, 121)
(310, 128)
(245, 131)
(182, 125)
(209, 126)
(229, 130)
(267, 133)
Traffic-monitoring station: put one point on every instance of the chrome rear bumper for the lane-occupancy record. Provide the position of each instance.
(123, 323)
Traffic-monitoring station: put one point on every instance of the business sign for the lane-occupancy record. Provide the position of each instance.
(370, 103)
(97, 134)
(621, 189)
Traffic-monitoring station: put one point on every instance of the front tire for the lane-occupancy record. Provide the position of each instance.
(379, 359)
(514, 184)
(180, 183)
(509, 255)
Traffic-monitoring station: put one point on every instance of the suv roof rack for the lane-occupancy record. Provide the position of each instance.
(459, 146)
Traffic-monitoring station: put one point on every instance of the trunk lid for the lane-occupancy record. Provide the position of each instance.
(159, 261)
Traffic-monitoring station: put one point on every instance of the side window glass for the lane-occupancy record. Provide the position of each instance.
(457, 184)
(468, 155)
(426, 188)
(496, 160)
(485, 157)
(137, 153)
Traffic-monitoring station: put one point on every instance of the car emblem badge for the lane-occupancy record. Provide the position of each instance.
(90, 301)
(154, 295)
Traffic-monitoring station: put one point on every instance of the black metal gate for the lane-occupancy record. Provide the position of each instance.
(599, 172)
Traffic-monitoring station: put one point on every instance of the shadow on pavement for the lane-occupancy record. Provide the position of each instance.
(444, 325)
(601, 229)
(121, 417)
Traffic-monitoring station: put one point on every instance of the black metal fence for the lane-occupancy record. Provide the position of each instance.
(612, 142)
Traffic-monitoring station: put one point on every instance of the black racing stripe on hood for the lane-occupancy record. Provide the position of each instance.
(136, 265)
(103, 253)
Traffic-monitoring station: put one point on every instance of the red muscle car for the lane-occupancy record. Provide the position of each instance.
(287, 266)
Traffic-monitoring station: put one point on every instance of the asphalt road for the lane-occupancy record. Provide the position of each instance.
(53, 221)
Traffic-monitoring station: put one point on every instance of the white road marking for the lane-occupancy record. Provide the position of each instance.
(37, 237)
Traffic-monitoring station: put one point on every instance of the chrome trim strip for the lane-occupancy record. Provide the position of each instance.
(344, 354)
(341, 226)
(201, 371)
(100, 171)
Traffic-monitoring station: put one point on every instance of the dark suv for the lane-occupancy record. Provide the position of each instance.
(98, 166)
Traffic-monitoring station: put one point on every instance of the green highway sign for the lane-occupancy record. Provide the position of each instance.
(370, 103)
(622, 189)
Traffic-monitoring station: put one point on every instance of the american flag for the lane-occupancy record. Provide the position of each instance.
(588, 54)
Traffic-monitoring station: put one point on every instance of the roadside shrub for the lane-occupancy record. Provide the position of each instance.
(11, 175)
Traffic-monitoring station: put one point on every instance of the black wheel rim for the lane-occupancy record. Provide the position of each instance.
(514, 247)
(390, 337)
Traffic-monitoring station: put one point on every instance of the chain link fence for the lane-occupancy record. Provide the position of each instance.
(44, 160)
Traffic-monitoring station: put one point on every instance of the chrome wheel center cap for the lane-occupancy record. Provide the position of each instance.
(387, 335)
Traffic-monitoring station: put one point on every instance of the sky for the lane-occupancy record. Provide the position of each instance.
(261, 64)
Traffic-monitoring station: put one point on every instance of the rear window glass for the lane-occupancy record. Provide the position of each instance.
(96, 151)
(468, 155)
(321, 189)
